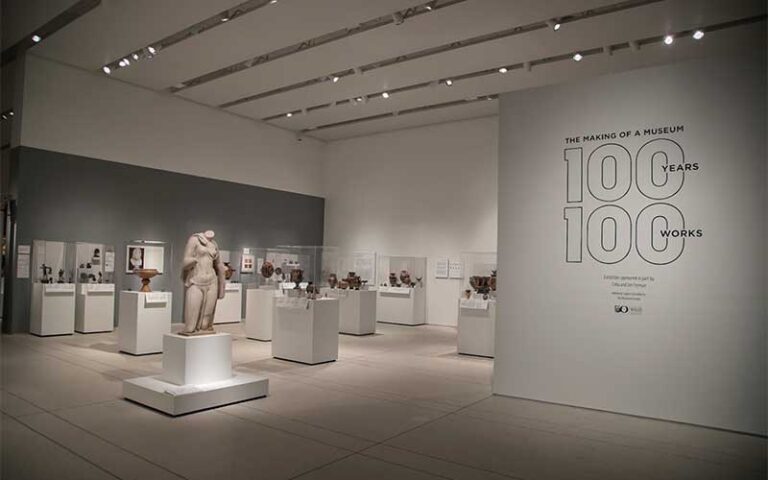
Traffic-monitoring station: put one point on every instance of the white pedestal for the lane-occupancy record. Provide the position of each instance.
(53, 309)
(402, 305)
(306, 331)
(197, 375)
(95, 308)
(230, 308)
(476, 329)
(143, 319)
(357, 311)
(197, 359)
(260, 312)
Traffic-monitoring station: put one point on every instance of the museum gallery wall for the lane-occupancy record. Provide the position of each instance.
(71, 198)
(632, 248)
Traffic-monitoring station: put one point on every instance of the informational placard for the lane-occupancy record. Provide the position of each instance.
(232, 287)
(474, 303)
(441, 267)
(22, 261)
(247, 262)
(455, 269)
(156, 297)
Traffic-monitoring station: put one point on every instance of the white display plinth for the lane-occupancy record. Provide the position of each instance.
(197, 375)
(53, 309)
(95, 308)
(402, 305)
(477, 323)
(260, 312)
(357, 311)
(306, 331)
(143, 319)
(230, 308)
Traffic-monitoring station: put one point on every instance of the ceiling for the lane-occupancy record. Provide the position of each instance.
(276, 61)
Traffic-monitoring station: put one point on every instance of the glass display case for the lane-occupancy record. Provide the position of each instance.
(52, 306)
(148, 262)
(349, 270)
(401, 272)
(251, 260)
(54, 262)
(94, 263)
(479, 280)
(298, 266)
(401, 286)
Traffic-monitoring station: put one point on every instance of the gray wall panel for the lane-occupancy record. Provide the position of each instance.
(70, 198)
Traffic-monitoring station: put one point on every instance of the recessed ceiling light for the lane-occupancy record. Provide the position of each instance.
(669, 39)
(289, 114)
(10, 114)
(698, 35)
(272, 2)
(106, 69)
(385, 94)
(127, 62)
(554, 24)
(121, 63)
(503, 70)
(449, 82)
(224, 19)
(135, 56)
(335, 79)
(151, 50)
(359, 99)
(578, 57)
(36, 38)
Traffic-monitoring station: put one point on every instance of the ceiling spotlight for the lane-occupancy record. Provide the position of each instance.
(135, 56)
(503, 70)
(151, 50)
(36, 38)
(289, 114)
(554, 25)
(578, 57)
(385, 95)
(359, 99)
(335, 79)
(10, 113)
(121, 63)
(398, 18)
(106, 69)
(669, 39)
(449, 82)
(430, 6)
(5, 117)
(272, 2)
(698, 35)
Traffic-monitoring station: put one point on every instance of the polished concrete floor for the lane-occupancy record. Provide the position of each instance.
(398, 405)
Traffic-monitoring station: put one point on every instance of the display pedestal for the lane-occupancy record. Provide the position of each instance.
(402, 305)
(477, 323)
(306, 331)
(95, 308)
(143, 319)
(230, 308)
(260, 312)
(197, 375)
(53, 309)
(357, 311)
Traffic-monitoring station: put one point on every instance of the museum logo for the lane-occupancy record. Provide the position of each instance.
(627, 310)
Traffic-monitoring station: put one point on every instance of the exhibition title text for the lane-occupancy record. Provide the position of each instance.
(598, 137)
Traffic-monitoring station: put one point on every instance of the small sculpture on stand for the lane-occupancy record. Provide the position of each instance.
(203, 273)
(353, 281)
(393, 280)
(480, 283)
(100, 279)
(492, 282)
(333, 280)
(311, 291)
(46, 272)
(61, 276)
(405, 278)
(279, 273)
(468, 294)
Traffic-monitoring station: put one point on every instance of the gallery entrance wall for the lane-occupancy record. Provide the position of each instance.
(632, 243)
(70, 198)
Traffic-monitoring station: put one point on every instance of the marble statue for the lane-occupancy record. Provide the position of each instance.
(204, 274)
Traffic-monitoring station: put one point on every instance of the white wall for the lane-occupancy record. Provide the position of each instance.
(86, 113)
(427, 191)
(693, 348)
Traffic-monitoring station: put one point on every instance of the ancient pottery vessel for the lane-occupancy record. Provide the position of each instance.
(145, 274)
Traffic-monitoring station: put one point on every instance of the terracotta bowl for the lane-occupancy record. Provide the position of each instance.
(145, 274)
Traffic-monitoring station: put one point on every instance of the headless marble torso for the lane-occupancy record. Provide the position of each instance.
(203, 276)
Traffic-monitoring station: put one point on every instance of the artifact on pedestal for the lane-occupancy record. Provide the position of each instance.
(353, 281)
(405, 278)
(492, 282)
(229, 271)
(267, 269)
(333, 280)
(393, 280)
(480, 283)
(204, 276)
(297, 275)
(145, 274)
(46, 272)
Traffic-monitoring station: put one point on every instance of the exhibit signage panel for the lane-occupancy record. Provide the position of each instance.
(632, 251)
